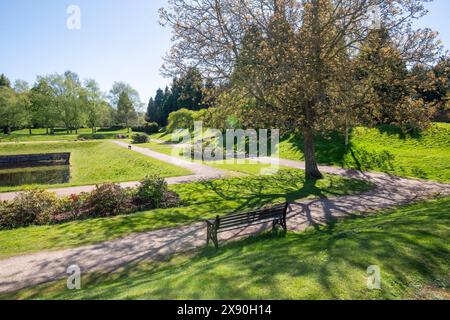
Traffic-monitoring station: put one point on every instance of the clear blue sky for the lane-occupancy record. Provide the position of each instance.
(119, 40)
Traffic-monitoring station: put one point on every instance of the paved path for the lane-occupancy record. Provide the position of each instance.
(23, 271)
(200, 172)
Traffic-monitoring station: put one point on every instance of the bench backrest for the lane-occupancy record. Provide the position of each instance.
(250, 218)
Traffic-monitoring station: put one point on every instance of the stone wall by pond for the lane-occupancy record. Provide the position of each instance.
(34, 160)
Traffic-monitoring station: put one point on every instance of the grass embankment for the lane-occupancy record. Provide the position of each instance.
(202, 201)
(59, 135)
(94, 162)
(410, 245)
(425, 156)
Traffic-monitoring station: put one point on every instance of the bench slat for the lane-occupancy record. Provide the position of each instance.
(276, 215)
(245, 220)
(275, 208)
(243, 226)
(255, 213)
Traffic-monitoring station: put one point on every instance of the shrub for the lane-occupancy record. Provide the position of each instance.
(40, 207)
(181, 119)
(70, 208)
(112, 128)
(140, 138)
(148, 128)
(30, 207)
(152, 127)
(107, 200)
(151, 192)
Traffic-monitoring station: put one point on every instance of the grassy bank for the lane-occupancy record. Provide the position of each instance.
(409, 245)
(384, 149)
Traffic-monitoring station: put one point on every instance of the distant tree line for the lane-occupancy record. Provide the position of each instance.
(65, 101)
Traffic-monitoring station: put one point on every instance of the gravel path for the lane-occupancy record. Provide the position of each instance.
(23, 271)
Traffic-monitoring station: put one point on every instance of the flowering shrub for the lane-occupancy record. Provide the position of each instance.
(108, 199)
(39, 207)
(70, 208)
(31, 207)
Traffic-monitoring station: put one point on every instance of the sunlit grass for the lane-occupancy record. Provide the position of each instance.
(409, 245)
(202, 201)
(385, 149)
(94, 162)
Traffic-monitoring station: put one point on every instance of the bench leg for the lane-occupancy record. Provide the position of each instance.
(215, 240)
(279, 222)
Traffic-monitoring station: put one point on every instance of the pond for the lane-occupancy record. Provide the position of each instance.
(37, 175)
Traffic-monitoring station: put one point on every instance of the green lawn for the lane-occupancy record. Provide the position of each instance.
(246, 167)
(202, 200)
(410, 245)
(164, 136)
(60, 135)
(385, 149)
(95, 162)
(161, 148)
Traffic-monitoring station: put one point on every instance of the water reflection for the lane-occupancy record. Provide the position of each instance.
(39, 175)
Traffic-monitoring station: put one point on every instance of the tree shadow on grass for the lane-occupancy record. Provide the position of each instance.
(332, 151)
(328, 263)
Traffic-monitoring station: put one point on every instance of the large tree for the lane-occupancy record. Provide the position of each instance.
(126, 113)
(118, 88)
(67, 95)
(296, 57)
(98, 111)
(44, 105)
(13, 109)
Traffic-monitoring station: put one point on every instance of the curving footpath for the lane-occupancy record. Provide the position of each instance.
(29, 270)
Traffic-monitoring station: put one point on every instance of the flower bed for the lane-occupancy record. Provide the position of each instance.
(40, 207)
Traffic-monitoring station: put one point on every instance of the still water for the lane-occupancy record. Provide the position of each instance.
(39, 175)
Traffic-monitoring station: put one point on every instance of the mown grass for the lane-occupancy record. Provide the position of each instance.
(245, 166)
(385, 149)
(60, 135)
(202, 200)
(234, 165)
(409, 245)
(95, 162)
(165, 148)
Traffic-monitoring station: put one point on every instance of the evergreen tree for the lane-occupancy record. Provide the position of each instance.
(159, 101)
(125, 110)
(150, 110)
(4, 81)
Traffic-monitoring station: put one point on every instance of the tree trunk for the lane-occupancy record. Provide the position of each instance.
(347, 136)
(29, 130)
(46, 131)
(311, 169)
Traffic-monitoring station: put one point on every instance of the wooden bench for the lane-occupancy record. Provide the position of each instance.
(276, 215)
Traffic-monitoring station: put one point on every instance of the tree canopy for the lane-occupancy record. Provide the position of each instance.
(296, 60)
